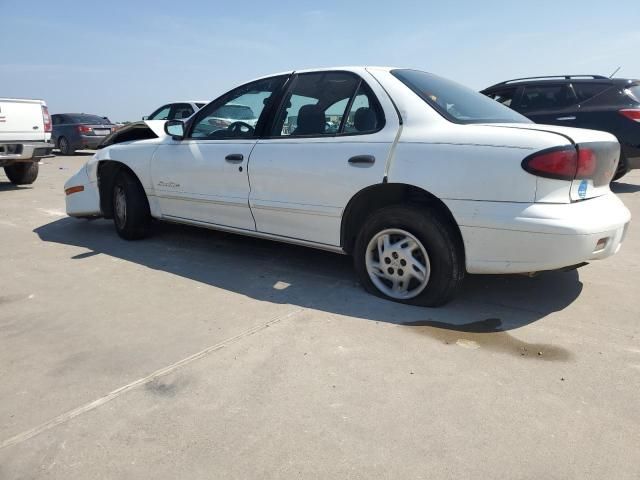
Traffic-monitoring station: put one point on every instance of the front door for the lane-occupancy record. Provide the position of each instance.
(204, 177)
(330, 138)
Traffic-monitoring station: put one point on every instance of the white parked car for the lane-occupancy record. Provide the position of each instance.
(431, 180)
(176, 110)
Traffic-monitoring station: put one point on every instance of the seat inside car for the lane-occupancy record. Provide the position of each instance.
(364, 119)
(311, 121)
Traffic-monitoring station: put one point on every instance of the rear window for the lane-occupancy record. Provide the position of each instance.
(455, 102)
(634, 92)
(237, 112)
(89, 119)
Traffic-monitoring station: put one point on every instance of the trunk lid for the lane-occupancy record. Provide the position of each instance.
(21, 119)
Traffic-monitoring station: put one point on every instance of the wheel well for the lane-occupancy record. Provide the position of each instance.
(372, 198)
(107, 172)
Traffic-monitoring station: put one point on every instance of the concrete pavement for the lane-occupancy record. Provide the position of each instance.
(197, 354)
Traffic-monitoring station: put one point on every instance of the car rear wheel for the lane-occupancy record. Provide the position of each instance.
(622, 170)
(65, 146)
(22, 173)
(409, 254)
(131, 215)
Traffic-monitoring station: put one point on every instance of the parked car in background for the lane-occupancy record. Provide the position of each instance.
(431, 180)
(585, 101)
(25, 131)
(77, 131)
(176, 110)
(233, 113)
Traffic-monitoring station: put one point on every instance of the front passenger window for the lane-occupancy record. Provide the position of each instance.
(237, 113)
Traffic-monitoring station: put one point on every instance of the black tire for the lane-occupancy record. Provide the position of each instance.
(134, 222)
(440, 240)
(22, 173)
(65, 147)
(622, 170)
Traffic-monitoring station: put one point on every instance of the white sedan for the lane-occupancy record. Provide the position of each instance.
(422, 180)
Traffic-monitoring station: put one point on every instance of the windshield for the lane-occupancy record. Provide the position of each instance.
(90, 119)
(455, 102)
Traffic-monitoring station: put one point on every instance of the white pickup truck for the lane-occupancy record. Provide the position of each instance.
(25, 134)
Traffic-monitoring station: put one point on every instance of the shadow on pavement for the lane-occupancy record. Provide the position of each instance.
(6, 186)
(287, 274)
(620, 187)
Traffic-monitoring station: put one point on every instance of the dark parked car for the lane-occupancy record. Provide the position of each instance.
(76, 131)
(584, 101)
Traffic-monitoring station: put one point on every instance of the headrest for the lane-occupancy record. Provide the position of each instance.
(311, 121)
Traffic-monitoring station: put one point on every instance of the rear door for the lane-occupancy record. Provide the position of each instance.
(21, 120)
(549, 103)
(330, 138)
(203, 177)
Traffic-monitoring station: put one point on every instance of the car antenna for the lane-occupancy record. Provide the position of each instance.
(611, 76)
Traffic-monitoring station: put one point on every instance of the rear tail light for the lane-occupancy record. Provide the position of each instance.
(46, 118)
(631, 113)
(84, 129)
(586, 163)
(560, 163)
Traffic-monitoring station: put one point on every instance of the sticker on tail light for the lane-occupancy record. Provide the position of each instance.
(597, 166)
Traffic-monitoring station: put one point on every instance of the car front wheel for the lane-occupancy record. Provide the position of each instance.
(131, 214)
(410, 254)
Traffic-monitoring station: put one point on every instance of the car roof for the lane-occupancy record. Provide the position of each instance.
(346, 68)
(563, 79)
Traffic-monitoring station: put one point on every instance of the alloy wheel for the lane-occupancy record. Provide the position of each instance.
(398, 264)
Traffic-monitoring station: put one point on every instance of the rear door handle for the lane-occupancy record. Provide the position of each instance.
(234, 157)
(362, 160)
(566, 118)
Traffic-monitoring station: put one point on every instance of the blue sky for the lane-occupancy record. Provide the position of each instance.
(124, 58)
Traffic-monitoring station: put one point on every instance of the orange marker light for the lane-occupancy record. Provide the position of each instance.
(77, 189)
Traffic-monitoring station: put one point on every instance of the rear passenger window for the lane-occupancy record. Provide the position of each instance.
(365, 114)
(327, 103)
(505, 97)
(547, 97)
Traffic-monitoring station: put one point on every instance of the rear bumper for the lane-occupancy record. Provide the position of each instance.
(89, 141)
(501, 237)
(83, 202)
(11, 152)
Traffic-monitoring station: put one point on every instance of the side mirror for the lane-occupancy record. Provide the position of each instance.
(146, 117)
(175, 128)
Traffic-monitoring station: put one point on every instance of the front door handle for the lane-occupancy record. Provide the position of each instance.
(566, 118)
(234, 157)
(362, 160)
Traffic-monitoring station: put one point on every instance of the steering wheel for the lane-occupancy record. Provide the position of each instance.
(241, 128)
